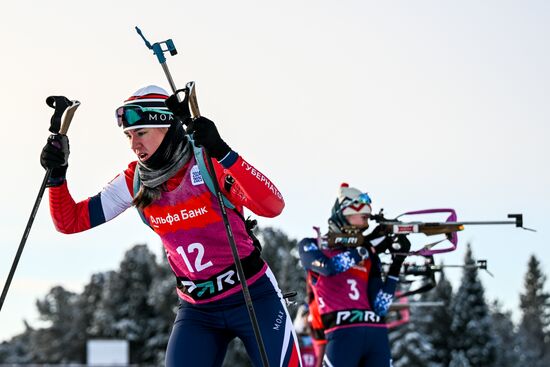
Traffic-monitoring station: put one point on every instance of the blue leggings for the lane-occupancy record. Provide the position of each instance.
(359, 346)
(201, 333)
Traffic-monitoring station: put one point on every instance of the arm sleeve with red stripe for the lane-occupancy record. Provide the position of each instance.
(252, 189)
(70, 216)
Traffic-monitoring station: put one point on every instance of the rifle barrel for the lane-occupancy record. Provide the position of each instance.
(448, 223)
(484, 222)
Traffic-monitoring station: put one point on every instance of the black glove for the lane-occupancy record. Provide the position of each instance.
(377, 232)
(55, 156)
(179, 109)
(206, 135)
(398, 259)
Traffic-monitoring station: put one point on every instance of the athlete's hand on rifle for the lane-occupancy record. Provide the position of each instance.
(206, 135)
(55, 156)
(381, 245)
(377, 232)
(400, 255)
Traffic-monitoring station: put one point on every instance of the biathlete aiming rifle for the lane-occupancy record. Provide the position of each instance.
(191, 100)
(59, 124)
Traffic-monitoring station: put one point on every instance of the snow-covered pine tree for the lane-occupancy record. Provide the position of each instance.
(99, 305)
(163, 299)
(89, 300)
(459, 359)
(281, 253)
(69, 320)
(62, 341)
(471, 327)
(410, 348)
(507, 345)
(124, 311)
(435, 322)
(17, 350)
(535, 320)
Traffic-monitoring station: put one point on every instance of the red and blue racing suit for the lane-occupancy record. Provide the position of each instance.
(189, 222)
(353, 300)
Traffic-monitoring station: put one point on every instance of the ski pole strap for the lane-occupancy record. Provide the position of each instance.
(59, 104)
(201, 163)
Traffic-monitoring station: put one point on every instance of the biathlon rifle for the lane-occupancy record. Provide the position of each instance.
(420, 278)
(449, 228)
(395, 227)
(429, 268)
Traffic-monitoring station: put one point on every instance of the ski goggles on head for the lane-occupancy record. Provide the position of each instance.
(133, 116)
(359, 204)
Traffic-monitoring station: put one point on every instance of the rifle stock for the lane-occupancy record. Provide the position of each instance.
(431, 229)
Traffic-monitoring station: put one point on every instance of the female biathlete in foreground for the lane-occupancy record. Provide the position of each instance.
(351, 295)
(166, 185)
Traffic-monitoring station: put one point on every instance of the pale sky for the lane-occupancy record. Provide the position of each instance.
(423, 104)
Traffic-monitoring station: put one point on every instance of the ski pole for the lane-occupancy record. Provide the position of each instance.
(61, 119)
(195, 113)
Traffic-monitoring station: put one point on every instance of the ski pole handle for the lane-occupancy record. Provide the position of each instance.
(68, 117)
(193, 103)
(63, 114)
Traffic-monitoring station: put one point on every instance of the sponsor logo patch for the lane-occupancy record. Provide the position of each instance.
(196, 178)
(356, 316)
(196, 212)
